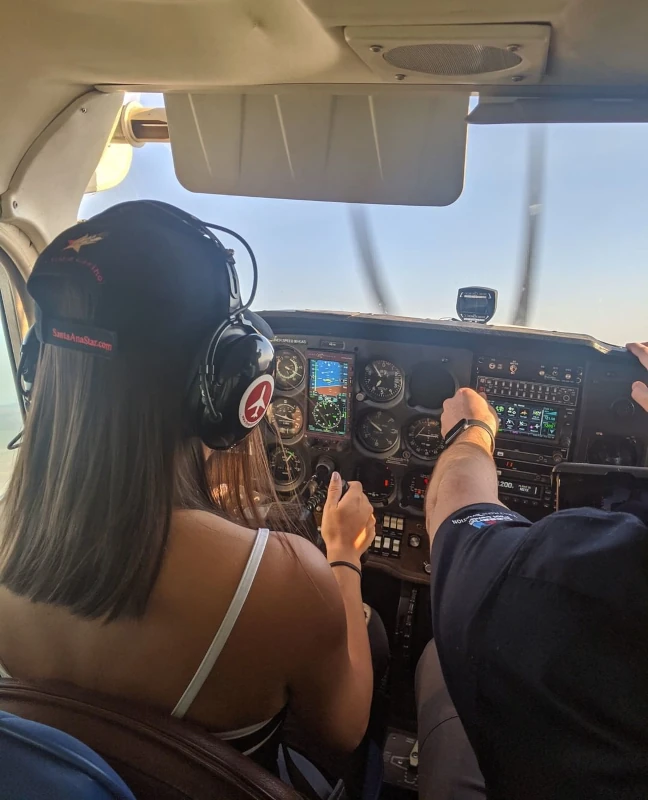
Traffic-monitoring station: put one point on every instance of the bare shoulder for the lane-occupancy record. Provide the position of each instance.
(306, 563)
(290, 562)
(294, 612)
(308, 587)
(294, 577)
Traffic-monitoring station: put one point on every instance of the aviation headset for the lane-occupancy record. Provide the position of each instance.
(233, 378)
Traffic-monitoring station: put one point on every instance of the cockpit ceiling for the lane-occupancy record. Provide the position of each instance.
(191, 44)
(55, 50)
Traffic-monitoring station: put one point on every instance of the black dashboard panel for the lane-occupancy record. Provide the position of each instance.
(367, 391)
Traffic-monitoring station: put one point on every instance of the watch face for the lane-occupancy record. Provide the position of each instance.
(455, 431)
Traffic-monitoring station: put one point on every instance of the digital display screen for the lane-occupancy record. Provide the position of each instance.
(328, 396)
(416, 487)
(517, 487)
(540, 422)
(474, 303)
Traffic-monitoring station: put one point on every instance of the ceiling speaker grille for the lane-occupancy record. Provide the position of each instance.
(451, 59)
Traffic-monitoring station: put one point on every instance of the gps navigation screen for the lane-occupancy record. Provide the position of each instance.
(328, 396)
(518, 418)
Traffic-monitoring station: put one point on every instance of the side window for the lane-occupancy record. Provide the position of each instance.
(10, 415)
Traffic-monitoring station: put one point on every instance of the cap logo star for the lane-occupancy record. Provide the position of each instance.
(83, 241)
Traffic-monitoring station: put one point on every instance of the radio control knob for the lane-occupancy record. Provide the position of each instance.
(557, 457)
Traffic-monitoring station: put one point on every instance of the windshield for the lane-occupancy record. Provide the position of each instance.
(589, 256)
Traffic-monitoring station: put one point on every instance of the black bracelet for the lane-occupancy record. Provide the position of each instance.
(346, 564)
(465, 424)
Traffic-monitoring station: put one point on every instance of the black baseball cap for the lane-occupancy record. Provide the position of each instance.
(159, 282)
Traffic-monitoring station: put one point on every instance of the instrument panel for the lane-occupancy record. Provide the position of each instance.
(367, 393)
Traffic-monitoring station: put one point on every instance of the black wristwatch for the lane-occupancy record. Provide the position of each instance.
(462, 426)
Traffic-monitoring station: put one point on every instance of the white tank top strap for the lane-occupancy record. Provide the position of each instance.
(222, 635)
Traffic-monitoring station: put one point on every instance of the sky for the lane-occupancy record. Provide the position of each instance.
(592, 248)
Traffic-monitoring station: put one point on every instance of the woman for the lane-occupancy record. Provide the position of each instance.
(118, 558)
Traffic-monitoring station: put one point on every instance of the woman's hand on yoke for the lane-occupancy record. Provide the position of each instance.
(348, 523)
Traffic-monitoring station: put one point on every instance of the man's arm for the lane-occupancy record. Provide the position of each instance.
(465, 474)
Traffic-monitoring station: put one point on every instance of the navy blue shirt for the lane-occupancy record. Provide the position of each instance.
(542, 633)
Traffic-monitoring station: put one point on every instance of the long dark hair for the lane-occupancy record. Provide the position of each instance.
(105, 459)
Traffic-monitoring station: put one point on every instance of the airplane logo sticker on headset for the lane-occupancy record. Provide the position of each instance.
(83, 241)
(255, 401)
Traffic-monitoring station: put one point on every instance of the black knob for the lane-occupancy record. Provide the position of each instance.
(557, 457)
(623, 407)
(325, 467)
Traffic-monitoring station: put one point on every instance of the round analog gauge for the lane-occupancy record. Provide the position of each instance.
(327, 414)
(382, 381)
(377, 481)
(290, 369)
(287, 416)
(287, 467)
(423, 437)
(378, 431)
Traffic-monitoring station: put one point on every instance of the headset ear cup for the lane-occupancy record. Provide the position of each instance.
(236, 387)
(195, 407)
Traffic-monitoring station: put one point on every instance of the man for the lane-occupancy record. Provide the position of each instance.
(542, 637)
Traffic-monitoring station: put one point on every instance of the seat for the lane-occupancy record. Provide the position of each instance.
(155, 755)
(37, 761)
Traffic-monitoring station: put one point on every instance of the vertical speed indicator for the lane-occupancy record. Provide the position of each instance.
(378, 431)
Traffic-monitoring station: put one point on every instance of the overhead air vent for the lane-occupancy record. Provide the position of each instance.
(455, 54)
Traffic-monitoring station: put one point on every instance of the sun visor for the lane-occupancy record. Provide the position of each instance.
(397, 145)
(542, 110)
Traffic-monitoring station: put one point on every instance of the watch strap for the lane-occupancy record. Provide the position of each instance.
(464, 425)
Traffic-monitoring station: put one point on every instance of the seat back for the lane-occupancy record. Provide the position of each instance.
(37, 761)
(156, 756)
